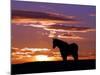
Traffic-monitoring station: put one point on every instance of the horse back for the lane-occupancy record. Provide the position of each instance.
(73, 46)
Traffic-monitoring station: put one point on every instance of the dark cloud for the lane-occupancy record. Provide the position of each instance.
(41, 15)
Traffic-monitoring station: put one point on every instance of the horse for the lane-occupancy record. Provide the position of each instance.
(66, 49)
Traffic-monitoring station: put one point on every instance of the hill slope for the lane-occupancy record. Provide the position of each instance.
(52, 66)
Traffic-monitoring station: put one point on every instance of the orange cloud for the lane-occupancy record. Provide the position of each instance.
(35, 49)
(62, 28)
(68, 28)
(70, 37)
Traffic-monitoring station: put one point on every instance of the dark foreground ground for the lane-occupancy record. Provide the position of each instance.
(52, 66)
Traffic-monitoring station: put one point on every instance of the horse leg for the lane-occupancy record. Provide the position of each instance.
(64, 56)
(75, 55)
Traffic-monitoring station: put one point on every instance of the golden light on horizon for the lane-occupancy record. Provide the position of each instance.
(41, 57)
(47, 58)
(25, 55)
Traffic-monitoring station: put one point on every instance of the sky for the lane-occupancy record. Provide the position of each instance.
(32, 36)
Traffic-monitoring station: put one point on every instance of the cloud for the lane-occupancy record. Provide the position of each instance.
(36, 25)
(93, 14)
(14, 49)
(35, 49)
(33, 55)
(44, 54)
(45, 18)
(21, 21)
(70, 37)
(42, 15)
(52, 34)
(65, 35)
(63, 28)
(68, 28)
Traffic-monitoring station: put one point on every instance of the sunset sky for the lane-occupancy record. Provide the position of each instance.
(32, 34)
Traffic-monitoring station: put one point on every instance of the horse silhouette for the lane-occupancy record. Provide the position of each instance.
(66, 49)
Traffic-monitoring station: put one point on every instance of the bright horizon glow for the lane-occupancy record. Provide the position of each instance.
(41, 57)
